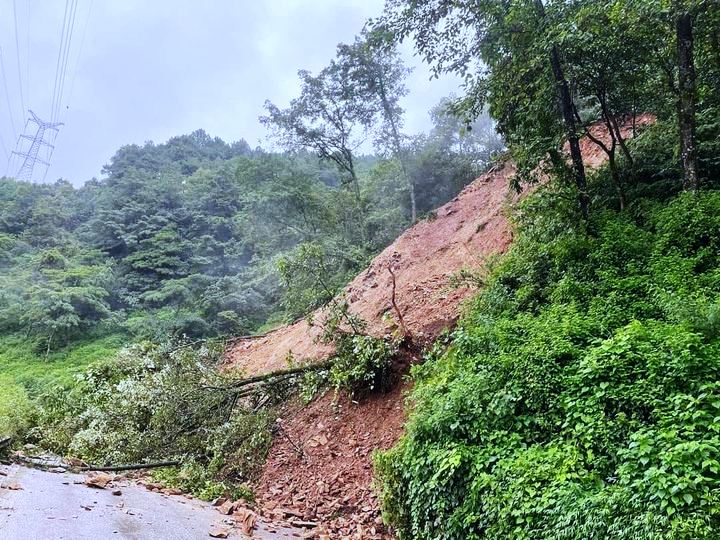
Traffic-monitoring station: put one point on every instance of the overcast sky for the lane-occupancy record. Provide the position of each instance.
(144, 70)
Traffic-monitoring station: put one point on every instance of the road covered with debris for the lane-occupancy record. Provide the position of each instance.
(37, 504)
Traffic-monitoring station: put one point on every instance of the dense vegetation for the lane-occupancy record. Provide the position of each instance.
(578, 397)
(195, 240)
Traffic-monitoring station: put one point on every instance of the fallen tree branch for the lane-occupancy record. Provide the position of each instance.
(297, 448)
(280, 374)
(132, 467)
(406, 332)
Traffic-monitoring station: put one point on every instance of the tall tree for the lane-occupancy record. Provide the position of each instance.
(326, 118)
(609, 53)
(567, 107)
(505, 52)
(374, 67)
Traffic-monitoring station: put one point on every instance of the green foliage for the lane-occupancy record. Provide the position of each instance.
(578, 398)
(153, 402)
(56, 298)
(362, 364)
(313, 275)
(24, 376)
(185, 238)
(15, 410)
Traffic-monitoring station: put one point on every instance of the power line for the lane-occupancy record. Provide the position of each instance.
(66, 58)
(57, 64)
(79, 55)
(7, 95)
(4, 148)
(45, 129)
(27, 66)
(17, 53)
(64, 63)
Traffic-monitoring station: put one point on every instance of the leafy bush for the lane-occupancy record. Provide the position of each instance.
(158, 402)
(15, 410)
(578, 398)
(362, 364)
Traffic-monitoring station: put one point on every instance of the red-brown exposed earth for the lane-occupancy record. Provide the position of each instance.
(319, 471)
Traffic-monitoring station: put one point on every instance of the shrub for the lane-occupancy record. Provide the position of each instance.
(578, 397)
(362, 364)
(15, 410)
(158, 402)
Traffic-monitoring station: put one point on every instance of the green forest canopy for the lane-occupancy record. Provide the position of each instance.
(185, 237)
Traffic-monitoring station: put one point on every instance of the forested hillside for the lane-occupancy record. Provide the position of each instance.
(196, 238)
(185, 238)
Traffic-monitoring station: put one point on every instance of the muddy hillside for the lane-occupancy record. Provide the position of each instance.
(319, 471)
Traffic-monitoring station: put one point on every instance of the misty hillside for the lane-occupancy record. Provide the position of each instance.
(505, 327)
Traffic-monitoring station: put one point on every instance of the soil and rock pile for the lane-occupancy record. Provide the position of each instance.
(462, 234)
(318, 477)
(319, 472)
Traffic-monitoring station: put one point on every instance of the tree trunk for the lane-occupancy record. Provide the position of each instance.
(566, 105)
(686, 98)
(620, 139)
(397, 144)
(617, 181)
(354, 179)
(615, 139)
(413, 202)
(358, 197)
(131, 467)
(567, 108)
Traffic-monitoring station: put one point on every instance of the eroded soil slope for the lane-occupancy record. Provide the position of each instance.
(460, 234)
(319, 471)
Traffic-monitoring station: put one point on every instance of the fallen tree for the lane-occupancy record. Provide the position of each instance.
(249, 385)
(131, 467)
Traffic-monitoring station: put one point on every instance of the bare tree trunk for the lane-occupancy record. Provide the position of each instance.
(567, 107)
(615, 139)
(686, 98)
(354, 179)
(609, 151)
(131, 467)
(397, 144)
(358, 197)
(617, 181)
(393, 301)
(621, 139)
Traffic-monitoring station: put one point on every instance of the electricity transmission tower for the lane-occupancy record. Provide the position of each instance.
(30, 155)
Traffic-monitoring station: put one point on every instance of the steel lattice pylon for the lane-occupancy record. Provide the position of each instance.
(30, 156)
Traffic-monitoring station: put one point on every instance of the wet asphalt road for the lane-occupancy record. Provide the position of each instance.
(53, 506)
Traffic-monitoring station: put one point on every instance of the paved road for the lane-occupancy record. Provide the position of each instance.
(53, 506)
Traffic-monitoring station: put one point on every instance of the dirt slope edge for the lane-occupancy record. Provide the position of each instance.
(461, 234)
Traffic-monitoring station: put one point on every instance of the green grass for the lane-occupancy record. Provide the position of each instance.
(25, 374)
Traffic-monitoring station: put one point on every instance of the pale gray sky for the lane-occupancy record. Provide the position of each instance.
(149, 70)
